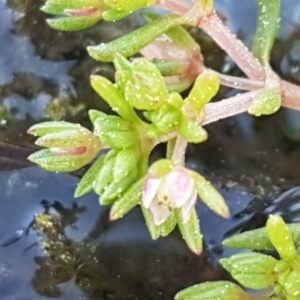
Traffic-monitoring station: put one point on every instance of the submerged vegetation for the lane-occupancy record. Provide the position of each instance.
(149, 109)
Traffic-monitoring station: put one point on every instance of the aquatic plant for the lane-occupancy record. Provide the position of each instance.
(150, 110)
(275, 278)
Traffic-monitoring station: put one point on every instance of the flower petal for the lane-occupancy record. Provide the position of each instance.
(150, 189)
(187, 208)
(160, 212)
(181, 186)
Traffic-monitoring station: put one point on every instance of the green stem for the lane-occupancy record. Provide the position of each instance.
(170, 148)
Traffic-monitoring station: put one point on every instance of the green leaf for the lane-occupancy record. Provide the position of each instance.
(168, 226)
(161, 168)
(170, 67)
(205, 88)
(175, 100)
(166, 118)
(113, 97)
(267, 29)
(179, 83)
(126, 161)
(153, 132)
(217, 290)
(265, 103)
(210, 196)
(51, 127)
(192, 132)
(292, 283)
(133, 42)
(112, 15)
(59, 163)
(57, 7)
(191, 232)
(281, 238)
(121, 63)
(113, 130)
(258, 239)
(67, 138)
(86, 183)
(75, 22)
(153, 229)
(121, 139)
(128, 201)
(252, 270)
(116, 189)
(108, 123)
(129, 5)
(105, 177)
(148, 90)
(177, 34)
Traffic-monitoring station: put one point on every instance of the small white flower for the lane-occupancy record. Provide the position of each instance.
(175, 190)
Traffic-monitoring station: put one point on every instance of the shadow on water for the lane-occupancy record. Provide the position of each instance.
(44, 74)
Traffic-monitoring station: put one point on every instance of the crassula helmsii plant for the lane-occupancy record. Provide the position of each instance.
(274, 278)
(170, 63)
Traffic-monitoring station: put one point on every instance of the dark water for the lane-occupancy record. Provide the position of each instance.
(44, 74)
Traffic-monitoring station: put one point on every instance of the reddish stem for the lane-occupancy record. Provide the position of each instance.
(229, 107)
(240, 82)
(240, 103)
(234, 47)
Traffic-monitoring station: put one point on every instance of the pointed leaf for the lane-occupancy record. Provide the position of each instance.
(267, 29)
(153, 229)
(126, 161)
(112, 15)
(63, 139)
(292, 283)
(129, 5)
(133, 42)
(216, 290)
(210, 196)
(167, 227)
(148, 90)
(177, 34)
(192, 132)
(57, 7)
(128, 201)
(170, 67)
(252, 270)
(205, 88)
(191, 232)
(281, 238)
(85, 185)
(258, 239)
(51, 127)
(75, 22)
(113, 97)
(58, 163)
(116, 189)
(105, 175)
